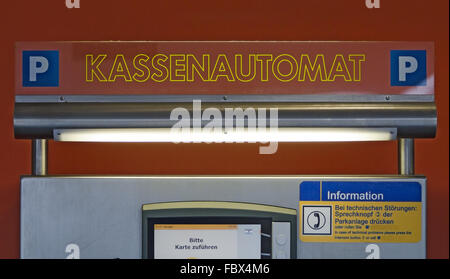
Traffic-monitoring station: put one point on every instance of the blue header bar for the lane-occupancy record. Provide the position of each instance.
(364, 191)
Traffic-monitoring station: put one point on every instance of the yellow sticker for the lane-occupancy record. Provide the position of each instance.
(360, 212)
(356, 222)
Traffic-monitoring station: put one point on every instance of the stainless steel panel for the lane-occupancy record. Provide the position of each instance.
(101, 216)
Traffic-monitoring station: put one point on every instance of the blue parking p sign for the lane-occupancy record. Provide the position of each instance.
(40, 68)
(408, 68)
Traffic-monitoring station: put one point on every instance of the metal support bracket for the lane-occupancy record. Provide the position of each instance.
(39, 157)
(406, 156)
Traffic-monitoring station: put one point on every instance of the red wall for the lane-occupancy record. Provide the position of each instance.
(22, 20)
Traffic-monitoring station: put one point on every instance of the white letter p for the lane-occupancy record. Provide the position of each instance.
(38, 65)
(406, 65)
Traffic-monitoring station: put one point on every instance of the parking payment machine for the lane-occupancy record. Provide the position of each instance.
(206, 92)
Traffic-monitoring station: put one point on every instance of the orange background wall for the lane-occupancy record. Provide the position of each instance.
(47, 20)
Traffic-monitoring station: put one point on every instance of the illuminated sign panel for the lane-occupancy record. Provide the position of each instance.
(303, 68)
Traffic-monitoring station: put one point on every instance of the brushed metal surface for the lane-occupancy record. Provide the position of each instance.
(38, 120)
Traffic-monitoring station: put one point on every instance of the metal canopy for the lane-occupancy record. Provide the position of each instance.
(38, 120)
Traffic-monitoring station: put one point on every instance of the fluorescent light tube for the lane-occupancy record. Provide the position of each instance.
(238, 135)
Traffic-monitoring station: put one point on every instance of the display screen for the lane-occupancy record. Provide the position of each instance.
(207, 241)
(209, 238)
